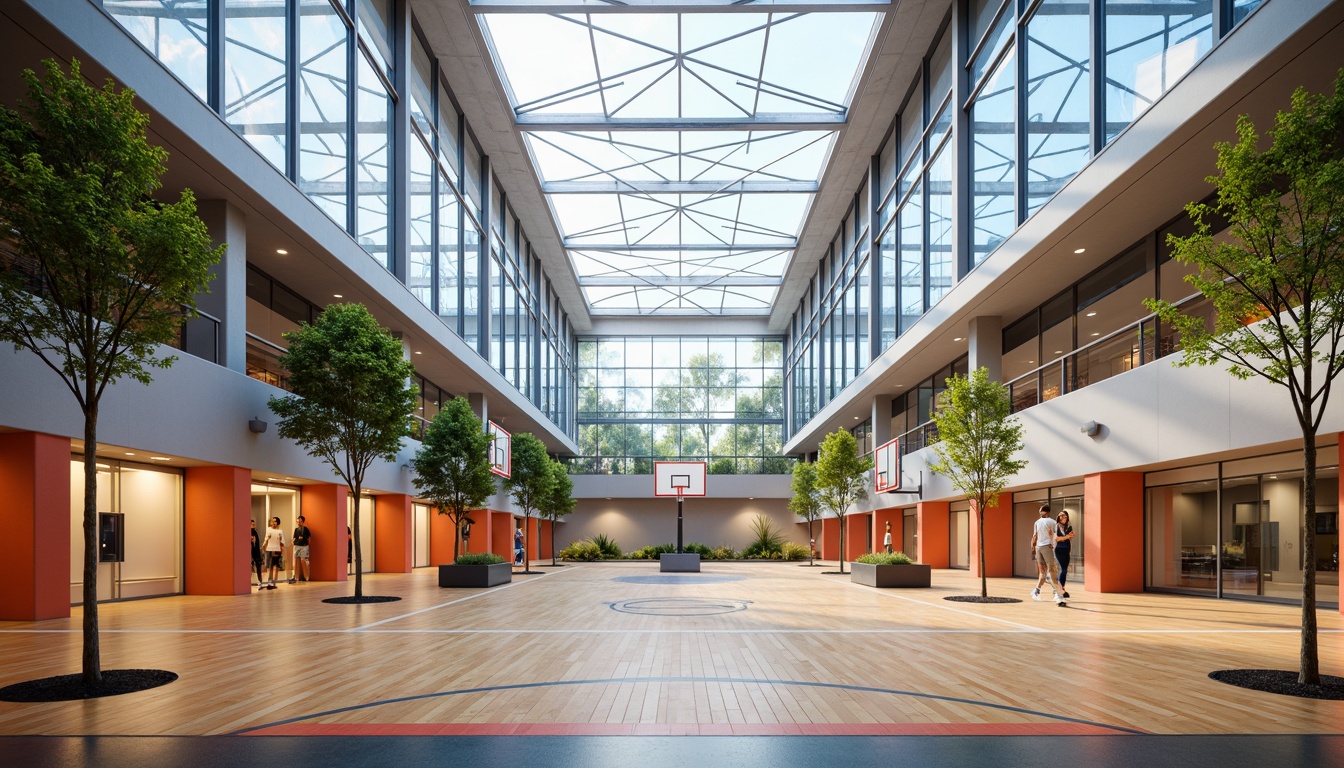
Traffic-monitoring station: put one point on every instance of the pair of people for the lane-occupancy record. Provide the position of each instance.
(274, 546)
(1050, 547)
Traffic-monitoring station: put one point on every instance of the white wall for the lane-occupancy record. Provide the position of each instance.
(636, 523)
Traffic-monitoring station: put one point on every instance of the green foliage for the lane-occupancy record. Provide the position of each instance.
(652, 552)
(703, 550)
(723, 552)
(479, 558)
(352, 399)
(582, 551)
(558, 501)
(607, 546)
(755, 551)
(791, 551)
(452, 467)
(805, 502)
(768, 543)
(95, 273)
(531, 481)
(1275, 280)
(884, 558)
(840, 477)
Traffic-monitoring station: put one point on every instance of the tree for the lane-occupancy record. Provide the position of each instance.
(978, 436)
(96, 275)
(559, 501)
(1276, 282)
(452, 467)
(705, 383)
(840, 478)
(352, 398)
(529, 483)
(805, 502)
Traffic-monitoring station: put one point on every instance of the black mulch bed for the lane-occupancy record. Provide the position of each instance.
(1281, 682)
(71, 687)
(365, 599)
(979, 599)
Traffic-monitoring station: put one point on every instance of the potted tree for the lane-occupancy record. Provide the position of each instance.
(452, 471)
(840, 472)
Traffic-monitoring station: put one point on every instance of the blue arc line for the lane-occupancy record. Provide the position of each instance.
(749, 680)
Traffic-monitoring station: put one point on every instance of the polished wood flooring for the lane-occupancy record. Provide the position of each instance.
(620, 648)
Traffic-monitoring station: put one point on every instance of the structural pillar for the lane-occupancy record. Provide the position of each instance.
(830, 539)
(934, 531)
(227, 299)
(500, 534)
(544, 549)
(998, 539)
(985, 346)
(326, 509)
(393, 533)
(1113, 520)
(218, 545)
(35, 516)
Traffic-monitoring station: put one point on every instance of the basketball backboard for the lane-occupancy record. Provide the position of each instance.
(678, 478)
(501, 450)
(887, 467)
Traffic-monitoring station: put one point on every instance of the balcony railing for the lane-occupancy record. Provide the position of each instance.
(263, 362)
(199, 337)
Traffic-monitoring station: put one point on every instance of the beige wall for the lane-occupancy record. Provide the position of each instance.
(636, 523)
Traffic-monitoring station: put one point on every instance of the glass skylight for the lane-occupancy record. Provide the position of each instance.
(680, 151)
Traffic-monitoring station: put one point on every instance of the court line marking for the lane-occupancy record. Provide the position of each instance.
(684, 679)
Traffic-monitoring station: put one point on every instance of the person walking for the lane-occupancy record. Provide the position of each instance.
(886, 540)
(1063, 544)
(256, 552)
(519, 556)
(275, 550)
(1043, 551)
(302, 568)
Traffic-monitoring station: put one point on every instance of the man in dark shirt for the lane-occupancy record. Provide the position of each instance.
(302, 571)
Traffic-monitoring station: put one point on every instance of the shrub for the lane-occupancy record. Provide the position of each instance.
(698, 549)
(882, 558)
(756, 551)
(723, 553)
(584, 551)
(768, 544)
(607, 546)
(652, 552)
(791, 551)
(479, 558)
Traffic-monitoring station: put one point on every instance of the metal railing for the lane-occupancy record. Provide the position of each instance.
(263, 361)
(199, 337)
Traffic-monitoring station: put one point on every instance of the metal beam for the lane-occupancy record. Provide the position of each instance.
(679, 6)
(659, 281)
(676, 187)
(678, 312)
(625, 248)
(819, 121)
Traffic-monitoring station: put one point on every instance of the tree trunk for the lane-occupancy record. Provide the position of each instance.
(811, 541)
(457, 534)
(553, 520)
(980, 514)
(1309, 671)
(359, 557)
(527, 540)
(841, 554)
(92, 663)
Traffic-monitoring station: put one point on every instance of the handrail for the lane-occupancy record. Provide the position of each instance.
(265, 343)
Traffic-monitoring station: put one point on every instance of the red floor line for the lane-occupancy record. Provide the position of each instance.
(684, 729)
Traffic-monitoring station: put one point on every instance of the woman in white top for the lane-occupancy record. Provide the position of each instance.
(275, 549)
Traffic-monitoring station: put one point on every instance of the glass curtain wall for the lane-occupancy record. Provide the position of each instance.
(714, 399)
(1236, 529)
(146, 502)
(1037, 107)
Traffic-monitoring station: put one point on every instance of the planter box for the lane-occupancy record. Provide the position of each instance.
(685, 562)
(475, 575)
(912, 575)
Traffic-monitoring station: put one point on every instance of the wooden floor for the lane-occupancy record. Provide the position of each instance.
(619, 648)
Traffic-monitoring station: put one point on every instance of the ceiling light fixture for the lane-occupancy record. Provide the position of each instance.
(957, 338)
(418, 352)
(160, 458)
(1079, 250)
(338, 296)
(1096, 333)
(282, 251)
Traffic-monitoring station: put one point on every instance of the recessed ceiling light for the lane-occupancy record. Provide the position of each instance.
(1031, 361)
(1079, 250)
(751, 498)
(337, 295)
(418, 352)
(856, 418)
(1059, 351)
(1091, 314)
(129, 453)
(957, 338)
(1097, 333)
(160, 458)
(282, 251)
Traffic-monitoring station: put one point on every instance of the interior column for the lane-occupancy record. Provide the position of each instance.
(325, 507)
(393, 544)
(1113, 542)
(35, 516)
(217, 542)
(998, 539)
(933, 533)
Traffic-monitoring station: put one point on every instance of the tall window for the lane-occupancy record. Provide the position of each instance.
(256, 85)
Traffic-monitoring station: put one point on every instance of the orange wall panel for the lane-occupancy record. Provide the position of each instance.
(218, 547)
(393, 546)
(998, 539)
(501, 534)
(1113, 519)
(933, 543)
(326, 510)
(544, 539)
(829, 541)
(35, 518)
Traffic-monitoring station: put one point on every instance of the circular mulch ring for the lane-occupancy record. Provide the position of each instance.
(979, 599)
(71, 687)
(365, 599)
(1281, 682)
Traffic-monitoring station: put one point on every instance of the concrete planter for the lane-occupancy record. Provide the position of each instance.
(686, 562)
(475, 575)
(912, 575)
